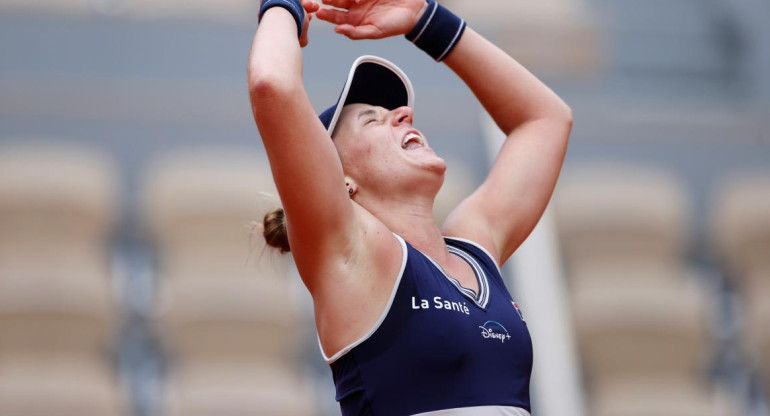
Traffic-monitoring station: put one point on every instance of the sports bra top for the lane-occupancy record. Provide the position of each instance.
(439, 348)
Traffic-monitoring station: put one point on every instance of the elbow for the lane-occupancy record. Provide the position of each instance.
(563, 113)
(556, 114)
(562, 117)
(558, 117)
(568, 117)
(265, 86)
(559, 120)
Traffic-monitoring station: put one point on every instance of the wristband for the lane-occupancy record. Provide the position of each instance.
(293, 6)
(437, 31)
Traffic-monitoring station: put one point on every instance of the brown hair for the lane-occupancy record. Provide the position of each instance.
(274, 230)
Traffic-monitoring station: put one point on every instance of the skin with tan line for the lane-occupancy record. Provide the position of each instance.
(343, 244)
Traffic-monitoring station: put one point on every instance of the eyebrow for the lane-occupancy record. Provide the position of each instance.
(366, 113)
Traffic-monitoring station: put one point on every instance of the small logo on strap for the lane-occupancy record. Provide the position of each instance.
(518, 309)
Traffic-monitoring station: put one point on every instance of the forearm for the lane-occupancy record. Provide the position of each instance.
(302, 157)
(508, 91)
(275, 61)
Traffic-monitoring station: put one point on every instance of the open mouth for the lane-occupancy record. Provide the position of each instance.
(412, 141)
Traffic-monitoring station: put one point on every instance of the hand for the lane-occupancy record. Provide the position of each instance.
(310, 8)
(373, 19)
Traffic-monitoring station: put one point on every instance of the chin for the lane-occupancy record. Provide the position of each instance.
(437, 165)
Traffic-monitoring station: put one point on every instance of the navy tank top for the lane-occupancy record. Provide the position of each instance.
(439, 348)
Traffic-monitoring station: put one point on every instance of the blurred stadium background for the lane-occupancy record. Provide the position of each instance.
(131, 172)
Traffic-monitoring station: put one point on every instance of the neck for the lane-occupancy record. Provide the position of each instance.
(413, 220)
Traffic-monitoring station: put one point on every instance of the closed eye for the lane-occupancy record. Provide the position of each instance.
(369, 114)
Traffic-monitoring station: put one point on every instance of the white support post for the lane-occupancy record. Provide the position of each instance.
(540, 289)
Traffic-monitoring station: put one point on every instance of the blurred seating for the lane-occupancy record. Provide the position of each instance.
(225, 311)
(201, 208)
(632, 322)
(57, 308)
(175, 9)
(238, 388)
(615, 213)
(555, 36)
(59, 385)
(640, 322)
(741, 228)
(671, 396)
(223, 9)
(56, 313)
(56, 208)
(46, 6)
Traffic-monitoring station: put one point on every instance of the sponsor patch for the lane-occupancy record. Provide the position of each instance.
(494, 330)
(518, 309)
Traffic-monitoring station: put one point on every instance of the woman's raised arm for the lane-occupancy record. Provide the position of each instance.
(304, 162)
(505, 209)
(537, 123)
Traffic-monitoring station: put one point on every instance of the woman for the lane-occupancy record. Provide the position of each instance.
(412, 318)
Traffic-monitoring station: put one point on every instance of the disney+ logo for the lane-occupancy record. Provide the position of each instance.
(494, 330)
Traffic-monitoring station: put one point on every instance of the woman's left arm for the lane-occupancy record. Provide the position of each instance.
(505, 209)
(537, 123)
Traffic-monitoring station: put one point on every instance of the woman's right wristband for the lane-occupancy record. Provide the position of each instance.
(437, 31)
(293, 6)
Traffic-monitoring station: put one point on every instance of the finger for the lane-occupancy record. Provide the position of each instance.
(342, 4)
(310, 6)
(338, 17)
(359, 32)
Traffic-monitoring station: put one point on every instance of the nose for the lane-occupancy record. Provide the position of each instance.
(401, 115)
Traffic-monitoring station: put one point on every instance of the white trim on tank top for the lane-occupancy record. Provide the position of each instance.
(384, 313)
(482, 298)
(478, 411)
(478, 246)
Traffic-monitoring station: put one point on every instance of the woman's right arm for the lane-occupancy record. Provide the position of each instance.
(305, 165)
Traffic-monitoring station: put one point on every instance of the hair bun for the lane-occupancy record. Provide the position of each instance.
(275, 230)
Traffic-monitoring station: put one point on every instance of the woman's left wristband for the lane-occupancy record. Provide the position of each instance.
(293, 6)
(438, 31)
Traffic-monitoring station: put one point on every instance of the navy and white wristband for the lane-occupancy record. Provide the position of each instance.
(293, 6)
(437, 31)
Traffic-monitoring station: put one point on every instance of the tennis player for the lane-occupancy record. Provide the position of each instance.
(413, 318)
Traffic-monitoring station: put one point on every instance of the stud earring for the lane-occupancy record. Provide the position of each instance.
(350, 191)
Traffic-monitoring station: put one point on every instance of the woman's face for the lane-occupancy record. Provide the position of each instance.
(382, 151)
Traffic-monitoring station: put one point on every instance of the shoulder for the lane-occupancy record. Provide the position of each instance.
(465, 224)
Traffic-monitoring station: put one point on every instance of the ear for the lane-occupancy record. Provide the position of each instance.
(351, 185)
